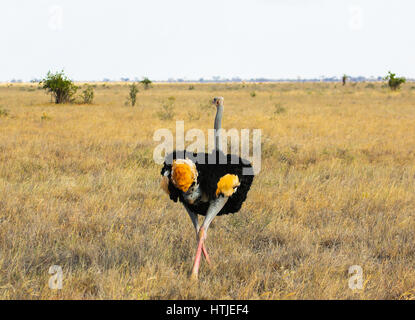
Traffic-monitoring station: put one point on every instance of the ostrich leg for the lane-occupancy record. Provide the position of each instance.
(214, 208)
(193, 217)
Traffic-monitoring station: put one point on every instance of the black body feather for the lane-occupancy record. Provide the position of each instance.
(209, 175)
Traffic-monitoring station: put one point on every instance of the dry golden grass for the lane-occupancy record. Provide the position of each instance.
(79, 189)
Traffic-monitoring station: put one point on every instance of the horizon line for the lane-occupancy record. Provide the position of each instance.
(224, 80)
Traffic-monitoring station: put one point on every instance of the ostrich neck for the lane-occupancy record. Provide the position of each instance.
(218, 126)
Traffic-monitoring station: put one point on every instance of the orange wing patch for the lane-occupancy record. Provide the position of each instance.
(184, 173)
(227, 185)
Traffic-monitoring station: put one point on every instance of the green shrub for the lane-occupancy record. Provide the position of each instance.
(193, 115)
(394, 82)
(132, 96)
(4, 112)
(191, 87)
(167, 111)
(344, 79)
(45, 117)
(88, 95)
(59, 86)
(279, 109)
(146, 82)
(253, 94)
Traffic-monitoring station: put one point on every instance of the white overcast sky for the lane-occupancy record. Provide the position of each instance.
(161, 39)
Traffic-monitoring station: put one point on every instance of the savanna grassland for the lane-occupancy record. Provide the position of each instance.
(79, 189)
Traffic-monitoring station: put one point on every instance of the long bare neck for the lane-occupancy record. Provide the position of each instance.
(218, 126)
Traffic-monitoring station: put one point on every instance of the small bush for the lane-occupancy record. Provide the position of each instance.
(394, 82)
(253, 94)
(370, 86)
(167, 111)
(146, 82)
(279, 109)
(193, 116)
(191, 87)
(60, 86)
(4, 112)
(344, 79)
(45, 117)
(171, 99)
(88, 95)
(132, 96)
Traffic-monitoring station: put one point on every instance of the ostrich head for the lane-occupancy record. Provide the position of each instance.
(218, 101)
(184, 174)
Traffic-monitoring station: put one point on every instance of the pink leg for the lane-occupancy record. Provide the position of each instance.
(205, 253)
(196, 265)
(213, 210)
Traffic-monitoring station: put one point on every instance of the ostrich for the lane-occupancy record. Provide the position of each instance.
(215, 186)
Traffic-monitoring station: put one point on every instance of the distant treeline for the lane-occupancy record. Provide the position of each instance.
(218, 79)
